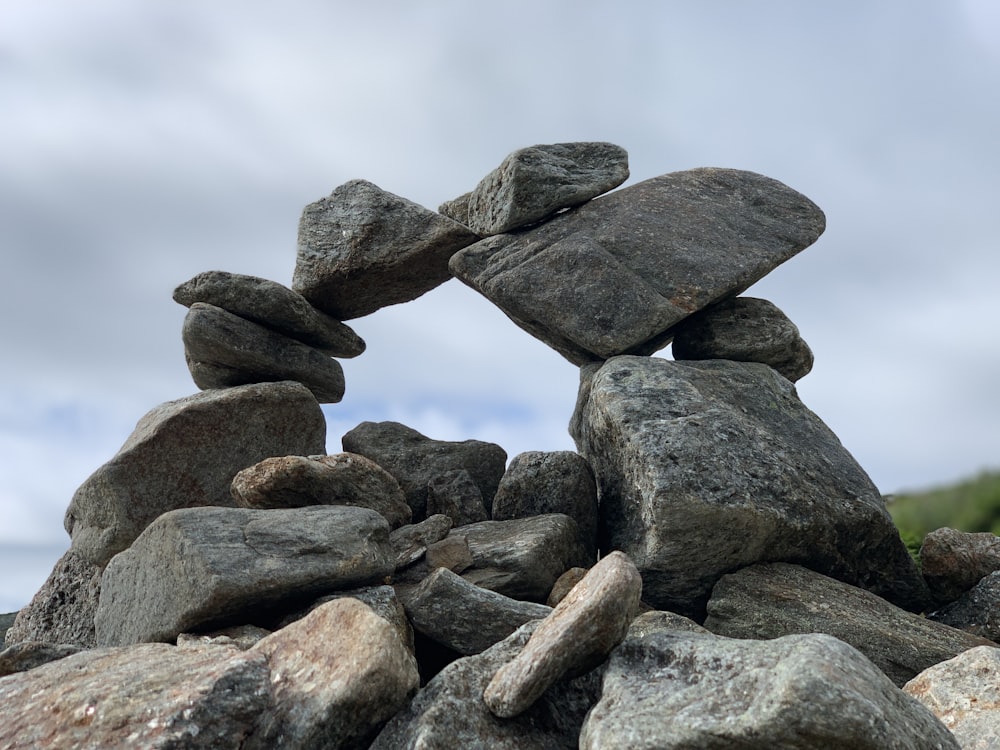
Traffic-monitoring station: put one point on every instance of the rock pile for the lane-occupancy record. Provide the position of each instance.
(711, 568)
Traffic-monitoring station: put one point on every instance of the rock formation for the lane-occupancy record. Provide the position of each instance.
(229, 584)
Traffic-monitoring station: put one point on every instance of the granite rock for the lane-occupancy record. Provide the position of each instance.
(953, 561)
(977, 611)
(456, 495)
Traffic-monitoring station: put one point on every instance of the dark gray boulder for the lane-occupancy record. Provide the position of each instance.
(953, 561)
(744, 329)
(200, 568)
(185, 453)
(616, 274)
(705, 467)
(455, 494)
(977, 611)
(362, 248)
(776, 599)
(223, 350)
(416, 460)
(273, 306)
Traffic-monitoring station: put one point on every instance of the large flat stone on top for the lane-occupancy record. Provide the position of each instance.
(613, 276)
(362, 248)
(185, 453)
(709, 466)
(200, 567)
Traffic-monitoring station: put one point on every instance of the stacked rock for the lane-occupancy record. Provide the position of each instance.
(410, 592)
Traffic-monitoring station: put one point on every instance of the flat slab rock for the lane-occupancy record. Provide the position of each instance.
(706, 467)
(197, 568)
(614, 275)
(185, 453)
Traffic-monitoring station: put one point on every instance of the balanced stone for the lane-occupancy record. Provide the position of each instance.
(615, 275)
(273, 306)
(362, 248)
(533, 183)
(223, 350)
(185, 453)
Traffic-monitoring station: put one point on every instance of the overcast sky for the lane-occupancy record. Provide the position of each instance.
(144, 142)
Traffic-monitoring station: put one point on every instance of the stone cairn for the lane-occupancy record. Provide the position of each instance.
(710, 569)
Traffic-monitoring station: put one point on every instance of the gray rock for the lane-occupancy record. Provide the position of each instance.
(410, 542)
(456, 495)
(202, 568)
(615, 275)
(744, 329)
(523, 557)
(963, 693)
(577, 636)
(30, 654)
(223, 350)
(808, 692)
(533, 183)
(705, 467)
(449, 711)
(338, 479)
(538, 482)
(185, 453)
(464, 617)
(415, 460)
(457, 208)
(564, 584)
(145, 696)
(777, 599)
(362, 248)
(241, 637)
(977, 611)
(62, 610)
(953, 561)
(337, 676)
(660, 620)
(6, 620)
(273, 306)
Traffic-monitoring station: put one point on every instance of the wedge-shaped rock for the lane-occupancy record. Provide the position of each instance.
(449, 712)
(273, 306)
(808, 692)
(744, 329)
(963, 693)
(573, 639)
(776, 599)
(146, 696)
(415, 460)
(614, 275)
(705, 467)
(533, 183)
(185, 453)
(198, 568)
(338, 479)
(337, 676)
(223, 350)
(362, 248)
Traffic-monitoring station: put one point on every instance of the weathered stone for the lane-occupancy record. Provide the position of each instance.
(203, 568)
(658, 620)
(564, 584)
(362, 248)
(337, 676)
(409, 543)
(381, 599)
(457, 208)
(6, 620)
(30, 654)
(538, 482)
(744, 329)
(338, 479)
(954, 561)
(185, 453)
(977, 611)
(577, 636)
(963, 693)
(705, 467)
(415, 460)
(615, 275)
(533, 183)
(273, 306)
(62, 610)
(241, 637)
(456, 495)
(464, 617)
(776, 599)
(146, 696)
(449, 711)
(452, 552)
(670, 690)
(223, 350)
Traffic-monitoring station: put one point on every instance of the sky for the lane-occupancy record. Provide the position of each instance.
(143, 143)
